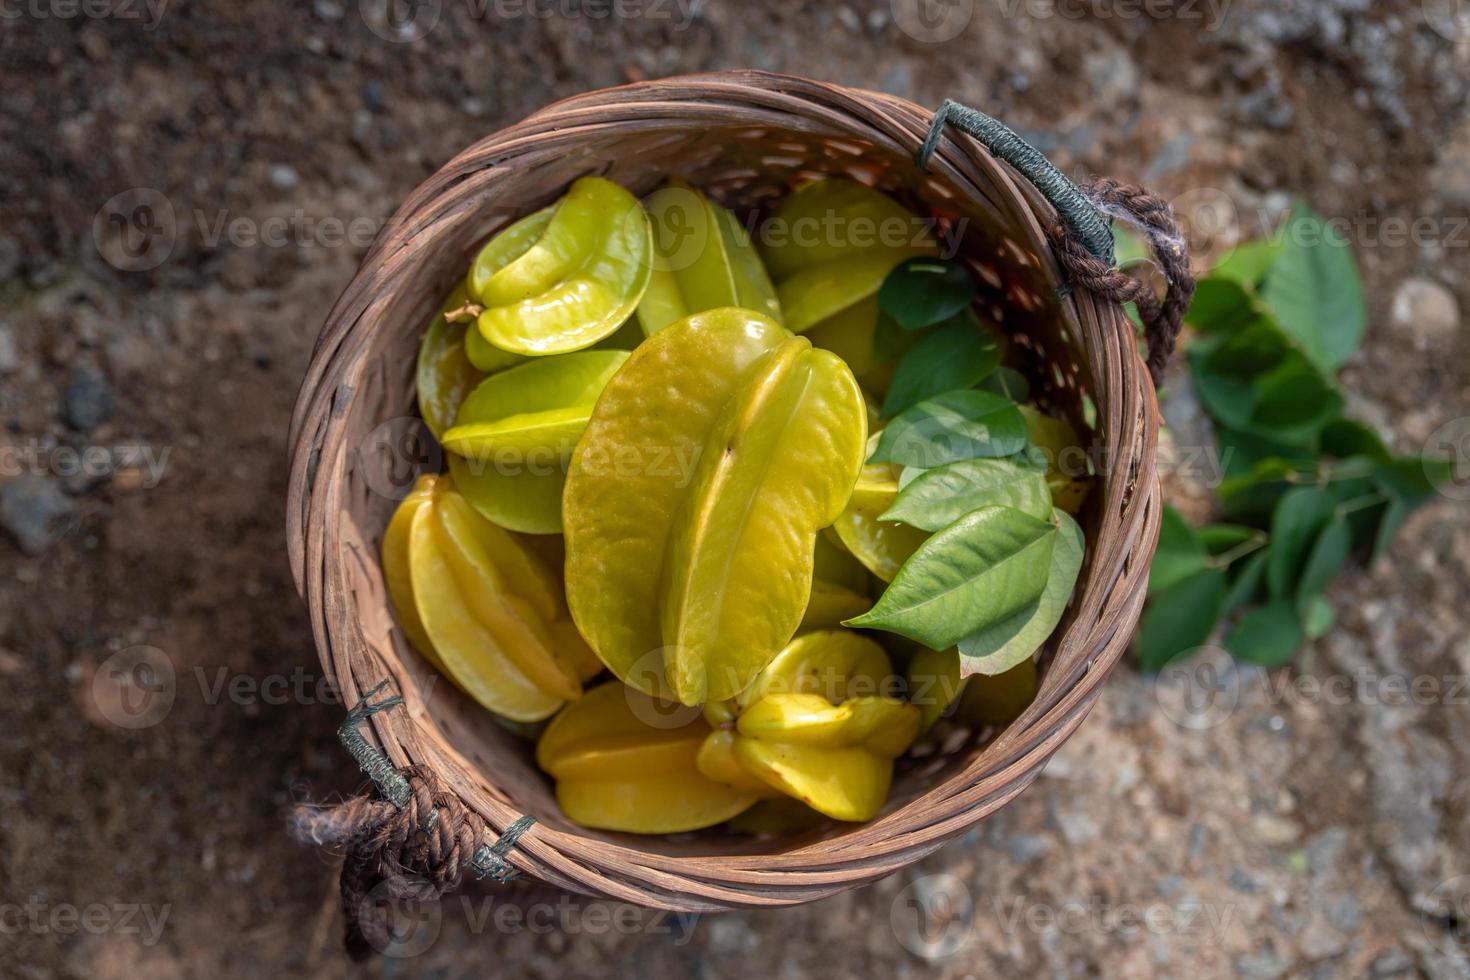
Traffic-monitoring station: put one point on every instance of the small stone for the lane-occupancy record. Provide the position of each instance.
(33, 509)
(9, 356)
(1241, 881)
(1427, 311)
(1394, 963)
(372, 95)
(10, 256)
(1171, 157)
(1271, 829)
(1113, 75)
(282, 176)
(1452, 175)
(88, 400)
(1025, 848)
(1323, 850)
(326, 10)
(1263, 965)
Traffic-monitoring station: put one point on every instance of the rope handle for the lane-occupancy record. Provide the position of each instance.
(414, 838)
(1082, 236)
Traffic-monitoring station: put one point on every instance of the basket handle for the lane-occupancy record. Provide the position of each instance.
(414, 836)
(1083, 235)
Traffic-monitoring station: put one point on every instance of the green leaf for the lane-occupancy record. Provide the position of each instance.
(1246, 585)
(1180, 618)
(921, 291)
(1268, 636)
(998, 648)
(1008, 383)
(1221, 305)
(935, 499)
(1319, 618)
(1344, 437)
(1220, 538)
(1314, 290)
(890, 341)
(1324, 561)
(1293, 402)
(1248, 263)
(1180, 553)
(962, 424)
(958, 354)
(987, 566)
(1298, 519)
(1394, 515)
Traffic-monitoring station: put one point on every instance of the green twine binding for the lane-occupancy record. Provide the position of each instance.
(1079, 214)
(490, 860)
(390, 781)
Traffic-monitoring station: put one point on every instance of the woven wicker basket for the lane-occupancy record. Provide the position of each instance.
(747, 138)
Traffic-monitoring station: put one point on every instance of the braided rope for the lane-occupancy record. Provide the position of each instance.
(1082, 235)
(415, 840)
(1151, 214)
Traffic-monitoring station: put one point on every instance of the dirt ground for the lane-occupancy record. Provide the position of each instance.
(1316, 824)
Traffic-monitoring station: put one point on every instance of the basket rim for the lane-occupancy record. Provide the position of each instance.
(1108, 599)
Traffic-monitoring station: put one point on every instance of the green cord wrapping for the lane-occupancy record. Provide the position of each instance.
(1081, 217)
(489, 860)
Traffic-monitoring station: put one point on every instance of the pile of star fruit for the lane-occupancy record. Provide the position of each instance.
(743, 479)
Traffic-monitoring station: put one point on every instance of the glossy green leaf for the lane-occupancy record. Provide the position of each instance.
(958, 354)
(1324, 561)
(1219, 539)
(1180, 553)
(1221, 305)
(1008, 383)
(1297, 521)
(1269, 635)
(1245, 585)
(1314, 290)
(1180, 618)
(999, 647)
(1318, 618)
(956, 425)
(694, 498)
(1294, 401)
(936, 498)
(1393, 517)
(575, 282)
(1342, 438)
(702, 260)
(984, 568)
(1249, 262)
(925, 291)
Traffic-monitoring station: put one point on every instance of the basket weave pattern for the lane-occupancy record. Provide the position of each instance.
(746, 138)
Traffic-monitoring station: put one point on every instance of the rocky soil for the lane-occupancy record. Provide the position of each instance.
(1214, 822)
